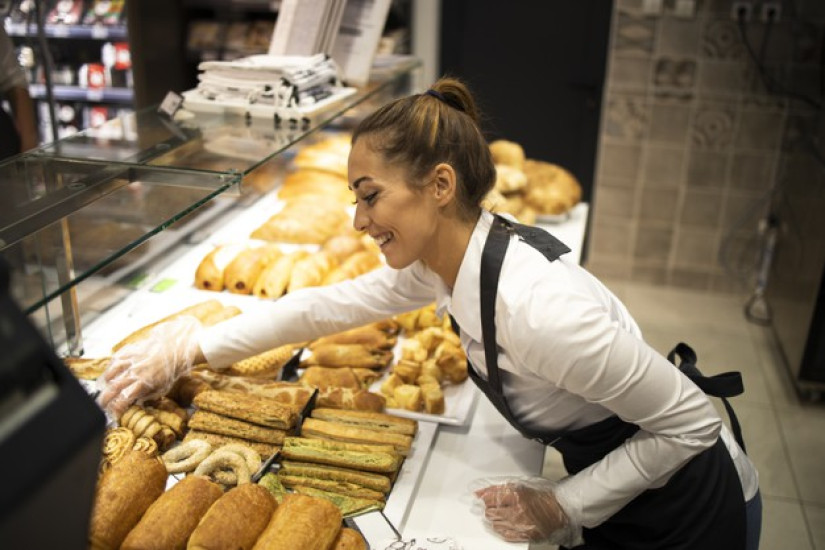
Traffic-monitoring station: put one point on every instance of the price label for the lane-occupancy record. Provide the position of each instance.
(60, 31)
(100, 32)
(170, 104)
(94, 95)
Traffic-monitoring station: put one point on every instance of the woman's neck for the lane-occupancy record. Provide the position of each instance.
(449, 245)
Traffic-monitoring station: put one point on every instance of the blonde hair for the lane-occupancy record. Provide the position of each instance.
(440, 125)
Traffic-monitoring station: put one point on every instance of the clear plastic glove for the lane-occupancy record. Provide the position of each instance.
(148, 368)
(522, 509)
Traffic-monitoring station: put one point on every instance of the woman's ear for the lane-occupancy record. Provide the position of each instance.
(444, 183)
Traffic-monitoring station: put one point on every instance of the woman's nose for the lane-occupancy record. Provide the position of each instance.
(360, 220)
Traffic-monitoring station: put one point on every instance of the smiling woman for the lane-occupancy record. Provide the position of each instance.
(559, 356)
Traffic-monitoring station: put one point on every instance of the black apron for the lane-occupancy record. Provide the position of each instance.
(701, 507)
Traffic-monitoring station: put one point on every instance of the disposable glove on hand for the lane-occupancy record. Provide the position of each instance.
(523, 510)
(147, 369)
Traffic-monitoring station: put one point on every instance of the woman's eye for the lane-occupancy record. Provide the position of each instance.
(369, 199)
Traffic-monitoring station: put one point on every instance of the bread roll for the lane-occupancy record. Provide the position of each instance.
(363, 419)
(170, 520)
(301, 522)
(337, 431)
(349, 539)
(506, 152)
(124, 493)
(235, 520)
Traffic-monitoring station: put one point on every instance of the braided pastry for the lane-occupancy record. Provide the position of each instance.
(186, 456)
(249, 455)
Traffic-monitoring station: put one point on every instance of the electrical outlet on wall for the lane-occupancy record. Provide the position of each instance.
(741, 11)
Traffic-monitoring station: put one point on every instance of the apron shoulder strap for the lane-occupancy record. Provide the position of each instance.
(724, 385)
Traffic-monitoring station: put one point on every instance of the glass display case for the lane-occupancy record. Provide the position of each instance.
(86, 219)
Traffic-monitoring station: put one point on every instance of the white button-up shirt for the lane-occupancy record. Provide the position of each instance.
(570, 352)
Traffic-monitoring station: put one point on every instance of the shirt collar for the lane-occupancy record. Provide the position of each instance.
(464, 300)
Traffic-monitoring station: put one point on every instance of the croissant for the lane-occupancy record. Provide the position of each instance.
(348, 355)
(357, 264)
(242, 272)
(310, 271)
(274, 279)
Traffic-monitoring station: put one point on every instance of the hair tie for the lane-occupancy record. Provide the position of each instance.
(440, 97)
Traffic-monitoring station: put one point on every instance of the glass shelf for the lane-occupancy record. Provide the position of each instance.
(100, 202)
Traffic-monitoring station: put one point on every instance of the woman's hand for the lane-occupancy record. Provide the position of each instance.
(147, 369)
(522, 511)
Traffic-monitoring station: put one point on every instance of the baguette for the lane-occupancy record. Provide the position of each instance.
(351, 434)
(377, 482)
(235, 520)
(341, 487)
(249, 408)
(349, 506)
(301, 522)
(172, 518)
(214, 423)
(218, 440)
(333, 453)
(364, 419)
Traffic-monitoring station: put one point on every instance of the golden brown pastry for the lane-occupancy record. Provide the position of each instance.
(433, 398)
(124, 492)
(172, 518)
(85, 368)
(347, 398)
(117, 442)
(210, 272)
(216, 440)
(357, 264)
(144, 424)
(342, 247)
(331, 377)
(409, 397)
(305, 220)
(507, 152)
(349, 539)
(220, 316)
(509, 179)
(199, 311)
(264, 365)
(368, 336)
(551, 189)
(315, 182)
(336, 431)
(377, 482)
(348, 355)
(249, 408)
(218, 424)
(301, 522)
(274, 279)
(310, 271)
(364, 419)
(347, 504)
(243, 271)
(340, 487)
(235, 520)
(382, 459)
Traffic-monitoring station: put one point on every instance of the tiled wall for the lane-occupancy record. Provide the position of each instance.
(692, 145)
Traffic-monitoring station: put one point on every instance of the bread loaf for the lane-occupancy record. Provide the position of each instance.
(301, 522)
(124, 492)
(235, 520)
(348, 433)
(172, 518)
(349, 539)
(364, 419)
(370, 458)
(218, 424)
(249, 408)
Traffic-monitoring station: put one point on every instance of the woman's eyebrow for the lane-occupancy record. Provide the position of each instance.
(356, 183)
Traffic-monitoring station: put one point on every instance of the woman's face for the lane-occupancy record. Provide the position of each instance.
(402, 219)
